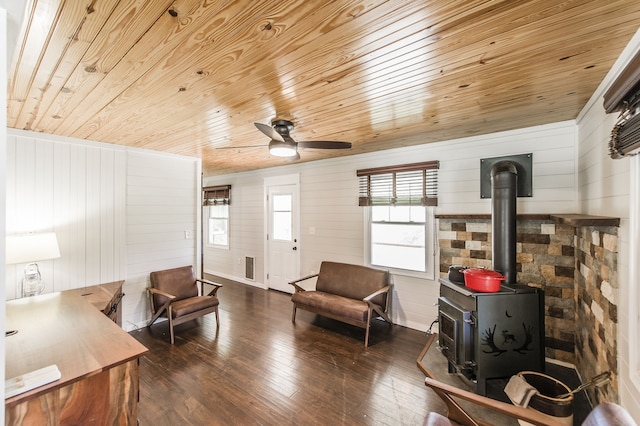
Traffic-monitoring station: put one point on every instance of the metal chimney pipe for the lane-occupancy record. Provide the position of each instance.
(504, 186)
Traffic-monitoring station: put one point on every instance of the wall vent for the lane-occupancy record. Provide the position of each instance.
(249, 268)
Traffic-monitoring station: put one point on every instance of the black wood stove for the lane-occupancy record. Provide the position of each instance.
(494, 335)
(491, 335)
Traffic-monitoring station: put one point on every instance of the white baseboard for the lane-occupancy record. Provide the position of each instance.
(238, 279)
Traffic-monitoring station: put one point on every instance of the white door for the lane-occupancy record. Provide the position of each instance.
(283, 254)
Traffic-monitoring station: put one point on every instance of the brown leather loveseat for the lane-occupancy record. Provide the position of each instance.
(347, 293)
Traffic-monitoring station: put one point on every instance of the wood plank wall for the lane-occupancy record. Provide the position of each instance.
(329, 204)
(76, 190)
(163, 194)
(606, 187)
(119, 213)
(97, 177)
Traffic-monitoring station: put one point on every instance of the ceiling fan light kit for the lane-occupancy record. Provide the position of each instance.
(282, 149)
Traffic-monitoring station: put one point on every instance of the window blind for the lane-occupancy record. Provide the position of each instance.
(624, 96)
(404, 185)
(625, 136)
(215, 195)
(624, 85)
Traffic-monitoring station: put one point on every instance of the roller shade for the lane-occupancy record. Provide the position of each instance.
(216, 195)
(404, 185)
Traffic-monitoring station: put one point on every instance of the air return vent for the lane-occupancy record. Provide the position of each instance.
(249, 268)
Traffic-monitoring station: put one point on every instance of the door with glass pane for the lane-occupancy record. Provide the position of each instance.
(282, 242)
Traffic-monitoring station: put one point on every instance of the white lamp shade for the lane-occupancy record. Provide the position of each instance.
(32, 247)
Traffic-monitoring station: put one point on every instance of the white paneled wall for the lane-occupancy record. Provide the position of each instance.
(118, 212)
(163, 196)
(605, 187)
(76, 190)
(329, 203)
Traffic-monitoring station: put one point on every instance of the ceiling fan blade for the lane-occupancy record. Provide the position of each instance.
(325, 144)
(269, 131)
(241, 146)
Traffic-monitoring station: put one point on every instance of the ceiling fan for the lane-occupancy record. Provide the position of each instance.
(283, 145)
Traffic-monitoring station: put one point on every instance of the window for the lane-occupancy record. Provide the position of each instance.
(216, 199)
(282, 217)
(218, 225)
(398, 237)
(400, 201)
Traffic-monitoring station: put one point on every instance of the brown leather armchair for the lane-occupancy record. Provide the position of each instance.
(604, 414)
(174, 294)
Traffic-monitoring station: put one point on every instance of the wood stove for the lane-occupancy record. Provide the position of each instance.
(498, 334)
(491, 335)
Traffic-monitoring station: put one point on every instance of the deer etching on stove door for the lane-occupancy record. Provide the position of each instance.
(489, 340)
(508, 337)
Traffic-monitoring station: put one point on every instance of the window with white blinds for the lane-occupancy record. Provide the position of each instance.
(405, 185)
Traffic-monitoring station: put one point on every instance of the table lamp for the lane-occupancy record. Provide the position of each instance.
(29, 248)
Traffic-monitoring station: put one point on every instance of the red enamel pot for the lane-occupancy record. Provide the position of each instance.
(483, 280)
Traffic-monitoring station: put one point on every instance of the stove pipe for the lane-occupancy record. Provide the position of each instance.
(504, 186)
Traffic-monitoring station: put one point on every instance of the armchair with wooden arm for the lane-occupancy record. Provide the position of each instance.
(174, 294)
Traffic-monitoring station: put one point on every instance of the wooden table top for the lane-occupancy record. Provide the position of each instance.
(99, 295)
(63, 329)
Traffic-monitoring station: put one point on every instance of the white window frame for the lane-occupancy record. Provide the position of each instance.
(207, 224)
(430, 246)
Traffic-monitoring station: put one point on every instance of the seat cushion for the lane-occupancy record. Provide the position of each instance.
(193, 304)
(332, 304)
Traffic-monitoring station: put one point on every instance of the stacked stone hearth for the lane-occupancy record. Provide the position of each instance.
(574, 262)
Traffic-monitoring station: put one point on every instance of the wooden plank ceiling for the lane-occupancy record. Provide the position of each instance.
(192, 76)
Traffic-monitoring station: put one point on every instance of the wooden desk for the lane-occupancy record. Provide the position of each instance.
(105, 297)
(98, 361)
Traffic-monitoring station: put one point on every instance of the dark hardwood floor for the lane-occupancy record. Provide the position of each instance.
(260, 368)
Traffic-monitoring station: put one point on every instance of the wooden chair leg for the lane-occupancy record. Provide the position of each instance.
(293, 315)
(366, 337)
(217, 318)
(170, 318)
(366, 334)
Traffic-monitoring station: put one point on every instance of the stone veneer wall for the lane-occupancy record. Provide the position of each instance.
(596, 299)
(577, 269)
(545, 259)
